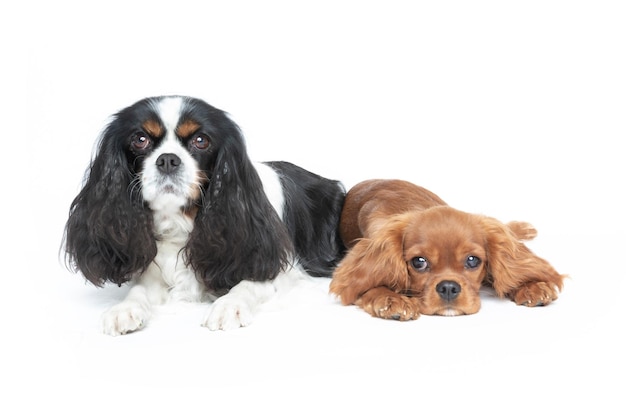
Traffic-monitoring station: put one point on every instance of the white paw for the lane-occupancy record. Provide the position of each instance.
(124, 317)
(228, 313)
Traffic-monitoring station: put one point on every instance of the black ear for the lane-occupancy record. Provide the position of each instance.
(108, 236)
(237, 234)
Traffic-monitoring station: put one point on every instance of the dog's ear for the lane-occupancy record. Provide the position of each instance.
(511, 265)
(108, 235)
(374, 261)
(522, 230)
(237, 233)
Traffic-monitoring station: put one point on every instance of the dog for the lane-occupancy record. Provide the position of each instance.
(409, 253)
(172, 204)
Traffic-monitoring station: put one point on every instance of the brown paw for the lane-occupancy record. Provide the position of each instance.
(391, 306)
(535, 294)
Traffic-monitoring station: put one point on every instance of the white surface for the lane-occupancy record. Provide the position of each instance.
(511, 110)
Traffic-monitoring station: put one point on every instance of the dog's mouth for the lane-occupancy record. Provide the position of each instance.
(169, 189)
(452, 311)
(449, 312)
(166, 195)
(171, 185)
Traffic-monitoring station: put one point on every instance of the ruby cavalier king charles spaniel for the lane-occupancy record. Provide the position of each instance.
(409, 253)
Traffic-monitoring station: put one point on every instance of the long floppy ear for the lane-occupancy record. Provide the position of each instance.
(108, 236)
(522, 230)
(511, 265)
(374, 261)
(237, 234)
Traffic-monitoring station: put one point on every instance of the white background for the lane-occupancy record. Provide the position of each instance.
(511, 109)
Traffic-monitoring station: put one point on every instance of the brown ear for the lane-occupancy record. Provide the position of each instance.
(374, 261)
(510, 264)
(522, 230)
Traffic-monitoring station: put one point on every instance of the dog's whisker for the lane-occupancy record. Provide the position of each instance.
(135, 187)
(201, 193)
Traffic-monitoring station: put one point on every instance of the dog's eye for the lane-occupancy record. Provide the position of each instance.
(140, 141)
(472, 262)
(200, 142)
(420, 264)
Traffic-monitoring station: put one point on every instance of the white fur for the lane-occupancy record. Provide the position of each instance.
(239, 306)
(169, 109)
(271, 186)
(167, 278)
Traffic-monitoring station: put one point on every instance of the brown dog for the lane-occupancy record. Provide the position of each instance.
(409, 253)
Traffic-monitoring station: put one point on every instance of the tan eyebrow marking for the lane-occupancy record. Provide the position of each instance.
(153, 128)
(187, 128)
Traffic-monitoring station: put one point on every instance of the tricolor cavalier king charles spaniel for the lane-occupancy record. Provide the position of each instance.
(172, 204)
(409, 253)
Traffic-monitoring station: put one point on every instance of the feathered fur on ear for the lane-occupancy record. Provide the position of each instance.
(108, 236)
(511, 264)
(522, 230)
(237, 234)
(374, 261)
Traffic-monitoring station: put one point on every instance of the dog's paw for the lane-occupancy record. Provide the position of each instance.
(228, 313)
(390, 306)
(124, 317)
(535, 294)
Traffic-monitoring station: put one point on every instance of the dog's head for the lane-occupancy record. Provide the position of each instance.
(445, 251)
(166, 155)
(441, 257)
(169, 149)
(170, 146)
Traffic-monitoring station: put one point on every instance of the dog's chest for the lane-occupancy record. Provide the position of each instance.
(172, 232)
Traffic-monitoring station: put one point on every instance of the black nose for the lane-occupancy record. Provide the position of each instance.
(448, 290)
(168, 163)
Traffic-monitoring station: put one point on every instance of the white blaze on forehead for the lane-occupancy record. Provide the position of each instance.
(169, 110)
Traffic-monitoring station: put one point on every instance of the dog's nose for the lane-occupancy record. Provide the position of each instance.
(168, 163)
(448, 290)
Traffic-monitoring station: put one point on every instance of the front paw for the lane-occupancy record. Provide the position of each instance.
(228, 313)
(390, 306)
(124, 317)
(535, 294)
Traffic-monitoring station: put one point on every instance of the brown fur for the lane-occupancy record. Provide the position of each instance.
(153, 128)
(386, 224)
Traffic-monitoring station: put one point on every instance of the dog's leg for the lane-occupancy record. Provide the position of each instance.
(535, 294)
(239, 306)
(134, 312)
(387, 304)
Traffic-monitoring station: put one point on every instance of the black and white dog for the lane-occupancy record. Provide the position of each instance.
(172, 204)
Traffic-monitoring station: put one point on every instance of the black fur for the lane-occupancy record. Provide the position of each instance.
(237, 235)
(309, 200)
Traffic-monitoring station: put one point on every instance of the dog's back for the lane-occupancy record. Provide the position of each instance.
(375, 200)
(311, 211)
(371, 200)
